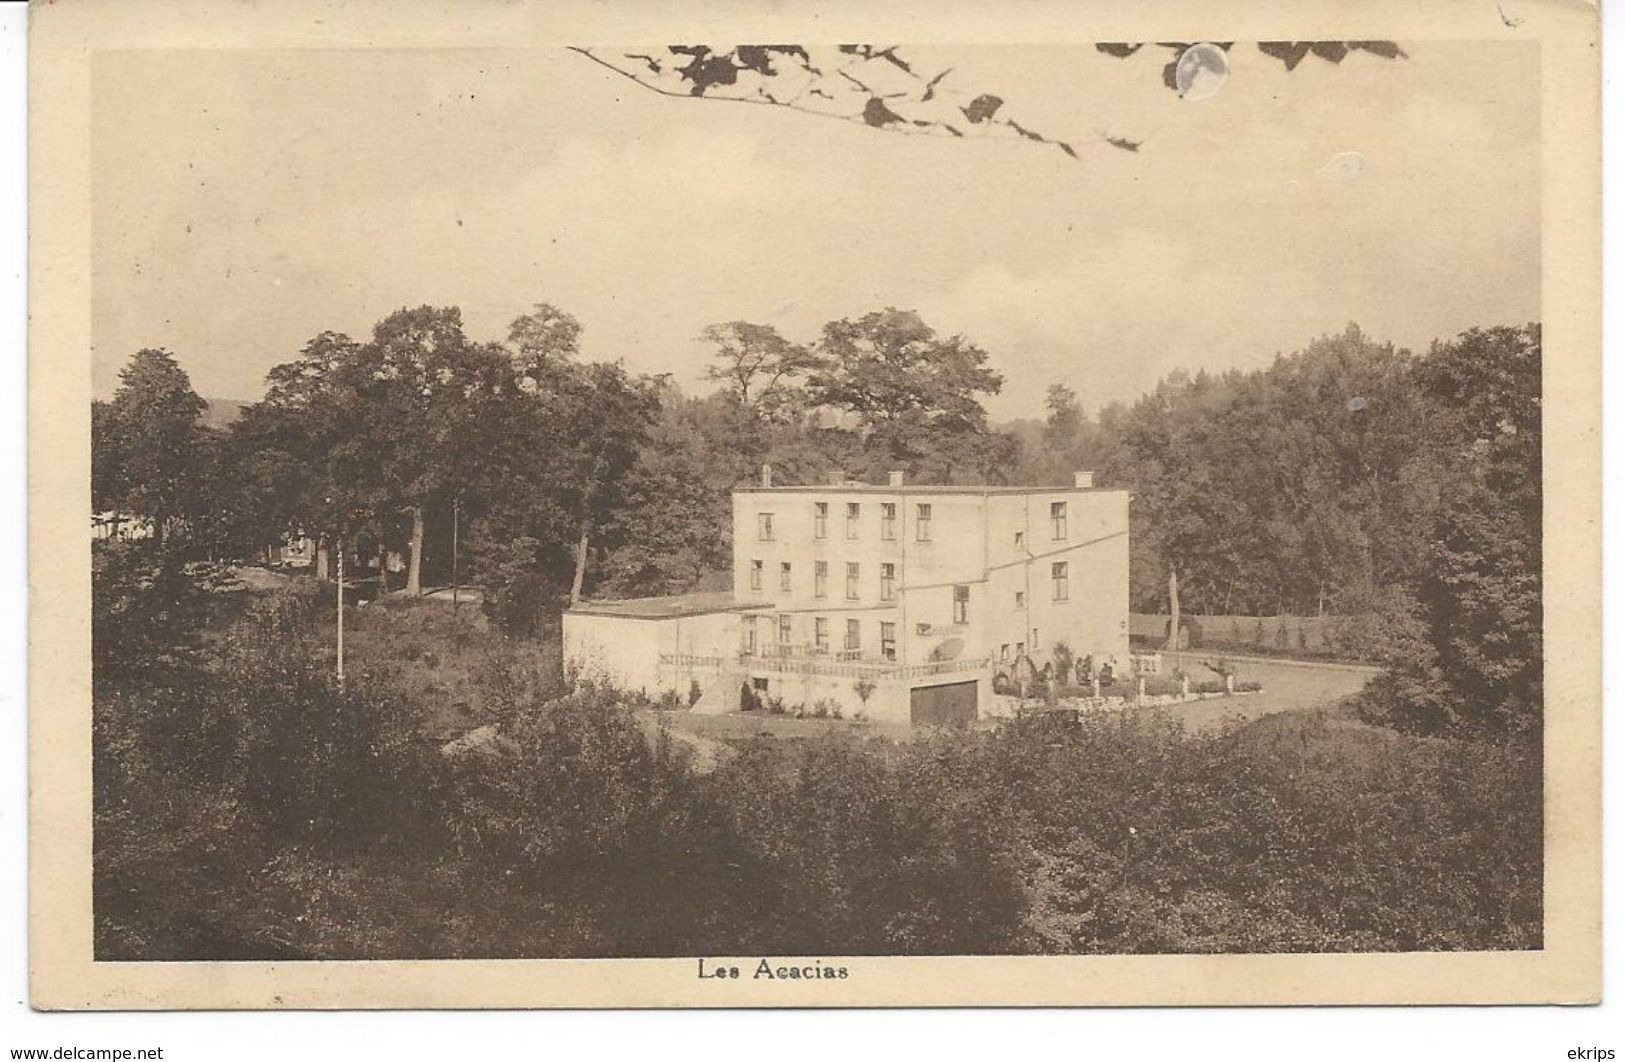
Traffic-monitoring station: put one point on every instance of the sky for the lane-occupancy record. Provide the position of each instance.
(244, 201)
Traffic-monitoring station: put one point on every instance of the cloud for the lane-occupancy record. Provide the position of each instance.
(1115, 317)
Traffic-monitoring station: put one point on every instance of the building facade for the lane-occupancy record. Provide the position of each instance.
(902, 603)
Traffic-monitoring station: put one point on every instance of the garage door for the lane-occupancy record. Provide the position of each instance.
(943, 705)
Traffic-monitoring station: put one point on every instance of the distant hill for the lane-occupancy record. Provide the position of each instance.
(222, 411)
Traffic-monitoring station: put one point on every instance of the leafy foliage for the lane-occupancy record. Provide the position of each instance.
(1479, 664)
(757, 366)
(149, 607)
(257, 811)
(147, 442)
(877, 87)
(1290, 53)
(1399, 493)
(915, 395)
(864, 84)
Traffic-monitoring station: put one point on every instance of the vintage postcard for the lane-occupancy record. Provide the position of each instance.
(944, 505)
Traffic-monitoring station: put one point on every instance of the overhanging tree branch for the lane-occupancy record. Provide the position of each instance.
(890, 95)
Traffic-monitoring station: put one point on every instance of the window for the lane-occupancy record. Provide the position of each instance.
(1021, 650)
(764, 527)
(1021, 540)
(853, 511)
(1057, 576)
(750, 635)
(1057, 519)
(852, 582)
(784, 576)
(755, 575)
(821, 519)
(888, 582)
(820, 578)
(961, 604)
(759, 685)
(853, 638)
(922, 523)
(888, 520)
(821, 634)
(1021, 599)
(1004, 653)
(888, 641)
(784, 630)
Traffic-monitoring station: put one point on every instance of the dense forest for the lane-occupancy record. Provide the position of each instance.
(1397, 491)
(250, 806)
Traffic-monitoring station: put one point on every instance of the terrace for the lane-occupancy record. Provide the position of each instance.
(807, 660)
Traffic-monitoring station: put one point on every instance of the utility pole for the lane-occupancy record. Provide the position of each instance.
(1173, 623)
(341, 612)
(456, 518)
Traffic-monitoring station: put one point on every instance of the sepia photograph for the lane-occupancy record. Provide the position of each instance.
(773, 507)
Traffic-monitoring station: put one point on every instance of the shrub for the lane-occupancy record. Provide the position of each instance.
(258, 811)
(149, 605)
(1063, 660)
(1161, 685)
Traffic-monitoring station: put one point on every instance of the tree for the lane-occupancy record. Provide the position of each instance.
(292, 464)
(1480, 593)
(1284, 489)
(756, 365)
(1067, 441)
(147, 443)
(606, 414)
(149, 605)
(913, 393)
(433, 410)
(673, 528)
(355, 435)
(543, 341)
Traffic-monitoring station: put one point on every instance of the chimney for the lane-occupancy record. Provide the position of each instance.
(837, 478)
(1083, 480)
(895, 477)
(767, 475)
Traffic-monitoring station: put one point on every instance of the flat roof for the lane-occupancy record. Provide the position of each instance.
(675, 606)
(881, 488)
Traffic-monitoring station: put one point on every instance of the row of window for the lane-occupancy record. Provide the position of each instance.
(1059, 583)
(851, 644)
(888, 522)
(854, 578)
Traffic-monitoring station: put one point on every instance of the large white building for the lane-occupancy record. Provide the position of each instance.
(896, 602)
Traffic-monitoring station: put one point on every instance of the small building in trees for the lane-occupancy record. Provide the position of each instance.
(114, 526)
(652, 645)
(893, 602)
